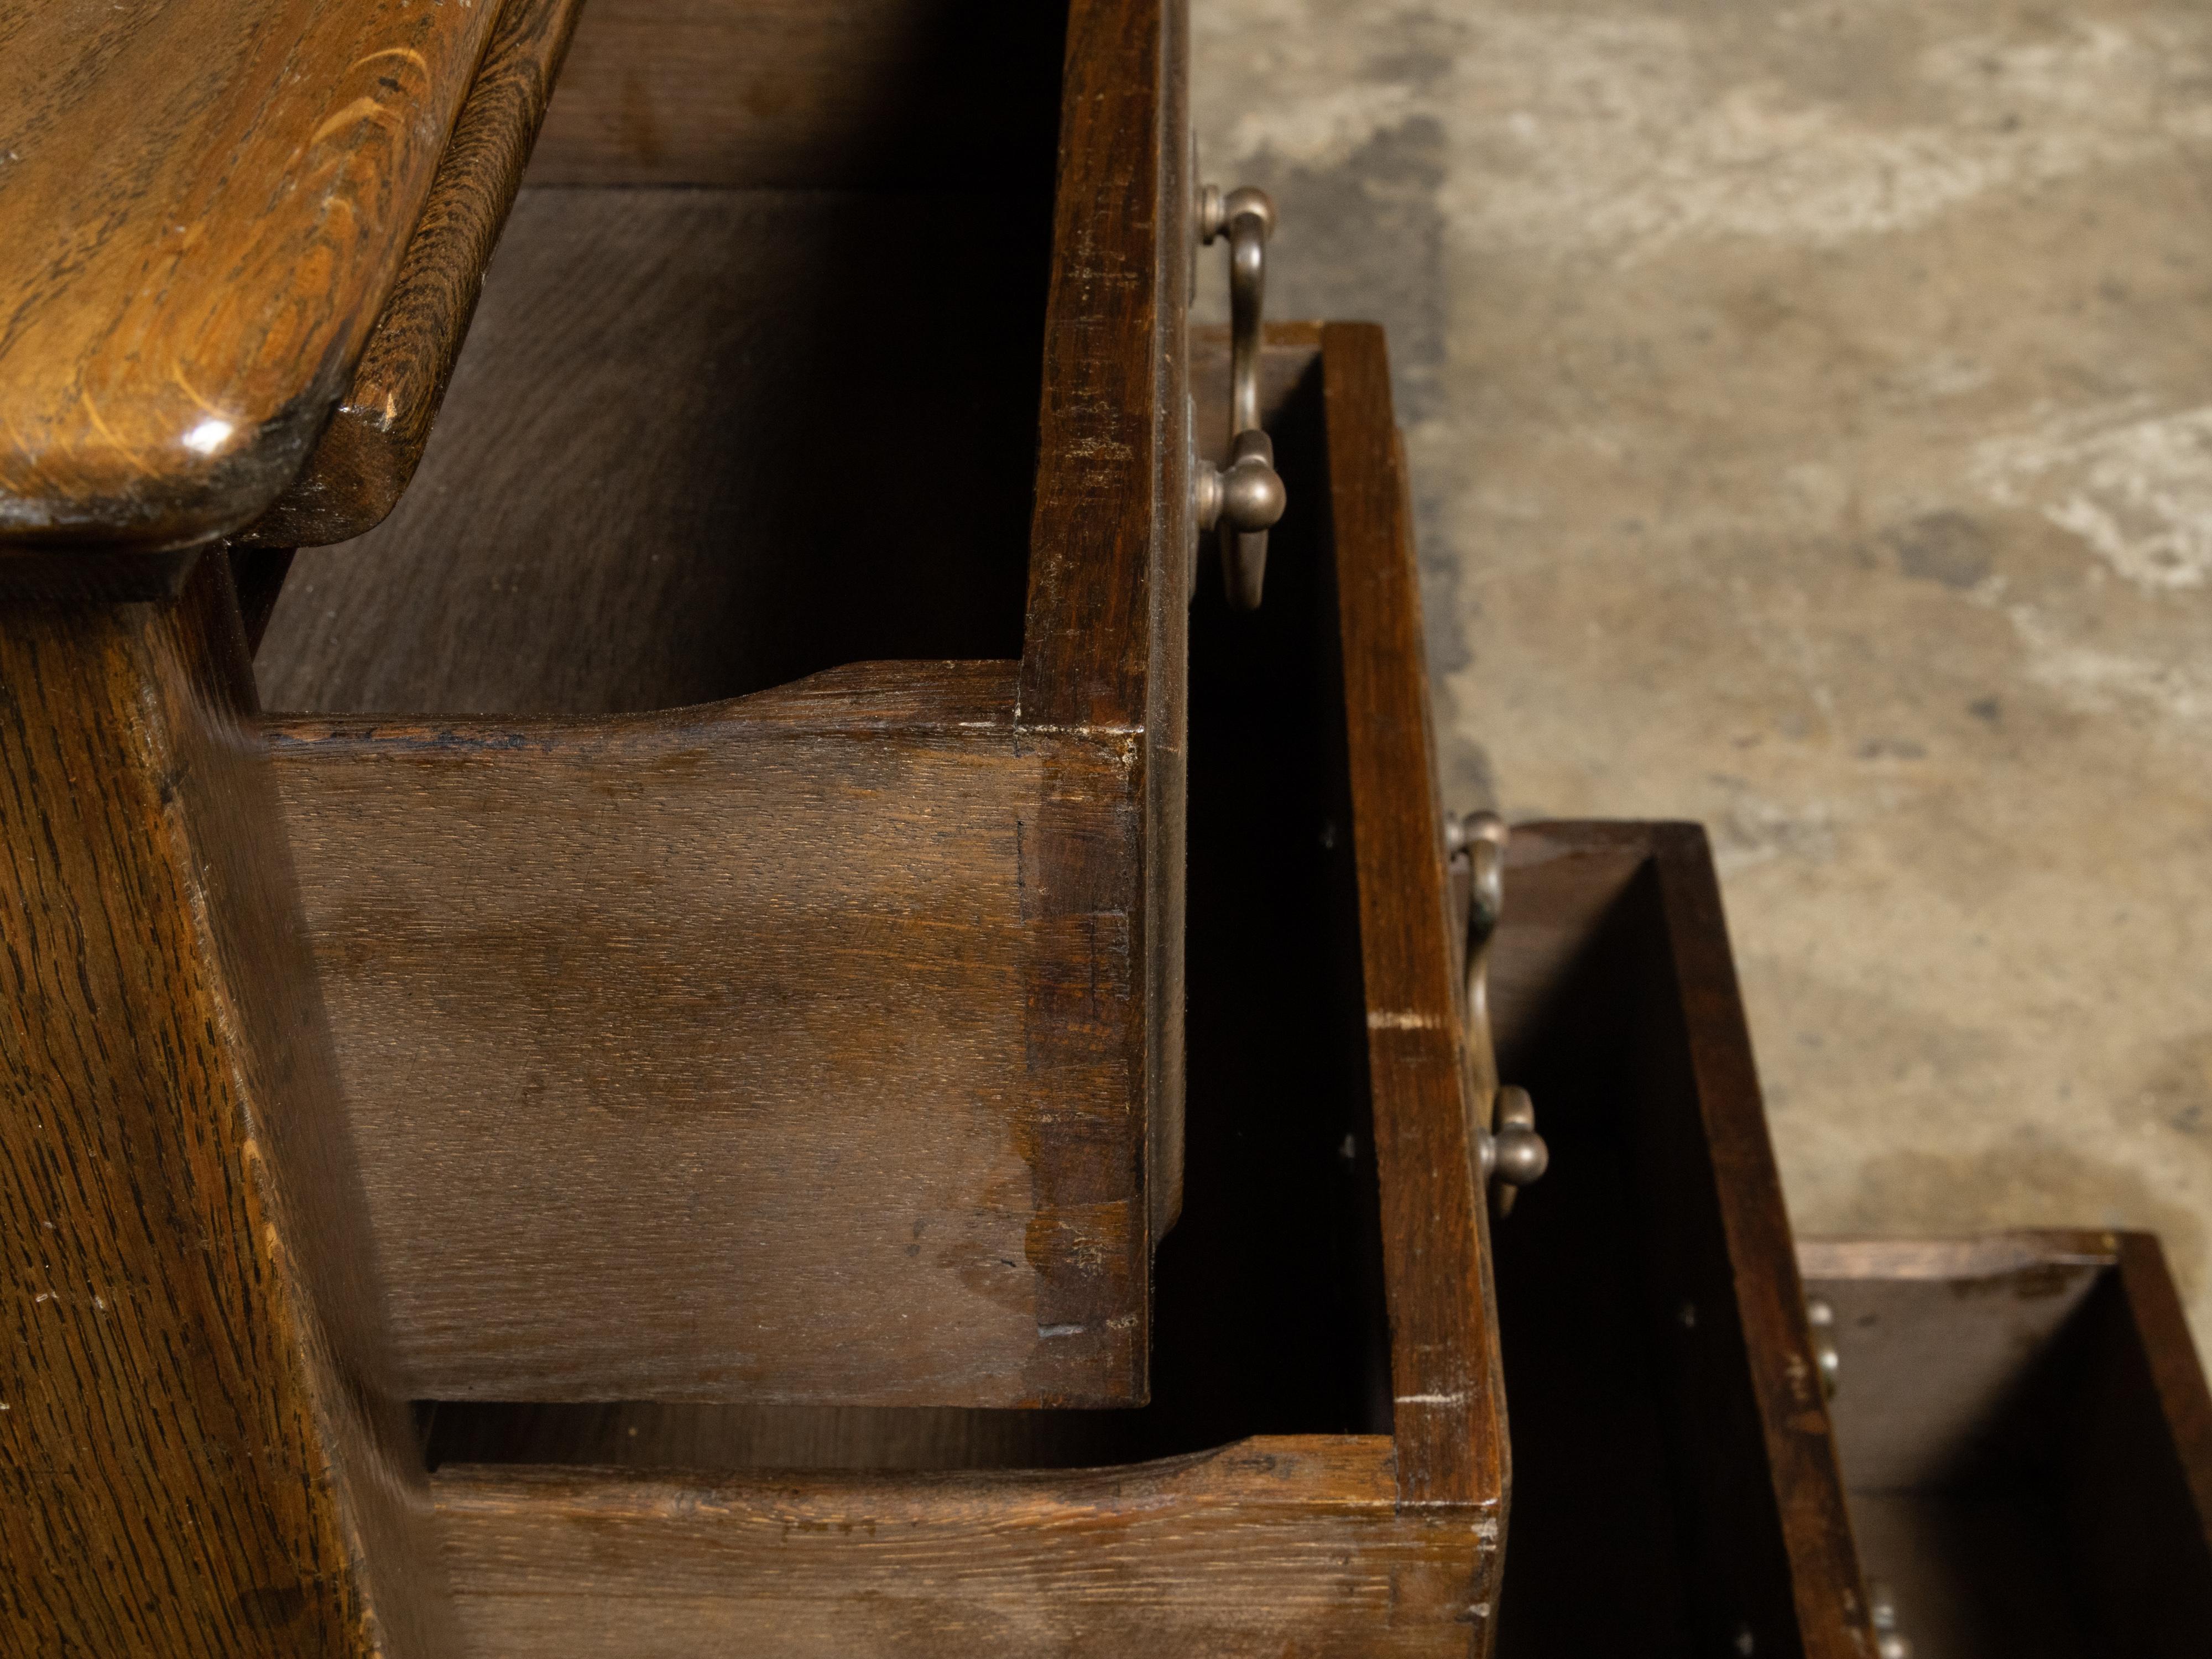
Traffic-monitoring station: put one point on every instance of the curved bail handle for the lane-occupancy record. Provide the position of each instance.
(1241, 500)
(1513, 1155)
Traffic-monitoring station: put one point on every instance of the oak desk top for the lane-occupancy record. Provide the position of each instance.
(202, 206)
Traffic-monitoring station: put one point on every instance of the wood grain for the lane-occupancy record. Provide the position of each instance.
(370, 449)
(868, 95)
(2138, 1465)
(694, 1056)
(1009, 1537)
(514, 580)
(1444, 1365)
(2184, 1402)
(1105, 635)
(200, 1453)
(656, 1438)
(599, 525)
(1269, 1546)
(1098, 547)
(207, 206)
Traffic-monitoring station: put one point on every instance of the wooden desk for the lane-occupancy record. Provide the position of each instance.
(205, 205)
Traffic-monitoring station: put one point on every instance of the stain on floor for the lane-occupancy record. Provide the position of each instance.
(1811, 412)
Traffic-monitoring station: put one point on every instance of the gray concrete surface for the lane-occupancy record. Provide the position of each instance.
(1810, 412)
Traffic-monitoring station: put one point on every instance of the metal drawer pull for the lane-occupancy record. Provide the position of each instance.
(1889, 1639)
(1820, 1320)
(1513, 1155)
(1242, 499)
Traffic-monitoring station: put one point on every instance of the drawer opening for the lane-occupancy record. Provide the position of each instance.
(752, 388)
(1643, 1518)
(1269, 1312)
(2014, 1479)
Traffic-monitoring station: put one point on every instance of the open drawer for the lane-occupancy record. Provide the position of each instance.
(1676, 1485)
(2027, 1440)
(1321, 1466)
(2017, 1458)
(1324, 1466)
(737, 793)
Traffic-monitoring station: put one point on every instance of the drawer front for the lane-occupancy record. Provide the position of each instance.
(1106, 639)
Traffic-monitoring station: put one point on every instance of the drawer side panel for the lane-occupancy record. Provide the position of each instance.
(690, 1057)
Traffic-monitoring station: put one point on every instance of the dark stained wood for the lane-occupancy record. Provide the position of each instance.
(1099, 550)
(205, 205)
(686, 947)
(691, 1055)
(1649, 1313)
(780, 94)
(1080, 1099)
(1446, 1384)
(1106, 633)
(1786, 1451)
(1230, 1515)
(1977, 1575)
(1282, 1224)
(1932, 1381)
(2139, 1466)
(257, 575)
(1564, 887)
(1269, 1546)
(200, 1449)
(1605, 1400)
(602, 524)
(2154, 1310)
(1167, 700)
(2023, 1423)
(369, 450)
(745, 547)
(2155, 1306)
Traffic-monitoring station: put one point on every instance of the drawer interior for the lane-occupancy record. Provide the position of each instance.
(752, 389)
(1639, 1283)
(1268, 1311)
(2015, 1477)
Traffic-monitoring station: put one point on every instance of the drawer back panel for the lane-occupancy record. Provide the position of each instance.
(760, 402)
(796, 93)
(697, 446)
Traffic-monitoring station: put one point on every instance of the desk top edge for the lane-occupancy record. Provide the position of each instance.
(212, 198)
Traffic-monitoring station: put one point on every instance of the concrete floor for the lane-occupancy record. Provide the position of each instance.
(1811, 414)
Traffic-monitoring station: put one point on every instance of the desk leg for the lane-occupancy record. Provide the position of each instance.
(198, 1454)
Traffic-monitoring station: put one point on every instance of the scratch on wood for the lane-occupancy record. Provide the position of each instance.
(1402, 1019)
